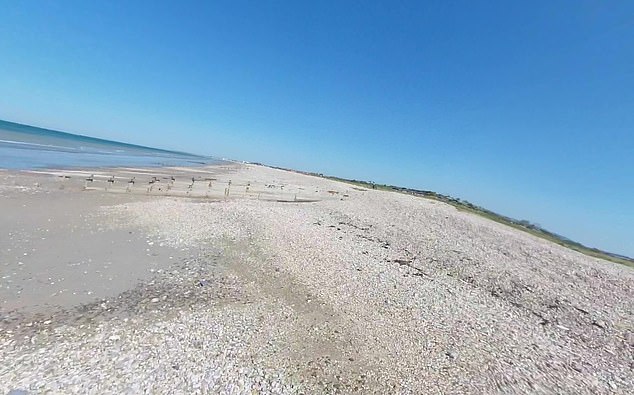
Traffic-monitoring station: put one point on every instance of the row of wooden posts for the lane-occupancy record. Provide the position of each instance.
(111, 180)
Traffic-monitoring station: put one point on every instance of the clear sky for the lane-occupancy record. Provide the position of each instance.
(526, 108)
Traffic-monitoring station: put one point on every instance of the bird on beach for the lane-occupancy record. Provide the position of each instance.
(130, 184)
(89, 179)
(110, 181)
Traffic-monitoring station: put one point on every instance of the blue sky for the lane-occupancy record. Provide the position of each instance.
(526, 108)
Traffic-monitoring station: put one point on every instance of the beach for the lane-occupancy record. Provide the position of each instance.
(239, 278)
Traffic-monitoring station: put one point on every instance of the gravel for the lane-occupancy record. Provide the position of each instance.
(362, 291)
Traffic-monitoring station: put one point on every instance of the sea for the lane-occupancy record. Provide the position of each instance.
(28, 147)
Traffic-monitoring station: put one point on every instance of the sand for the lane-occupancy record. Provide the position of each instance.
(277, 282)
(57, 252)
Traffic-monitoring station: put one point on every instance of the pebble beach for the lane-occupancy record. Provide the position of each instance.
(243, 279)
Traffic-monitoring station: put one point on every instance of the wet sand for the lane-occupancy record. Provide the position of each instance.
(58, 250)
(61, 248)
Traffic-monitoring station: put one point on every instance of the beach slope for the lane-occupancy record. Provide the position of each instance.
(243, 279)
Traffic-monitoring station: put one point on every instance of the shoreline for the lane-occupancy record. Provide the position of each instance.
(56, 214)
(297, 285)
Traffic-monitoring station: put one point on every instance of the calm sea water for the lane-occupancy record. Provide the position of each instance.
(28, 147)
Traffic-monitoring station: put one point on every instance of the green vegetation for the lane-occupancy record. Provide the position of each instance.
(522, 225)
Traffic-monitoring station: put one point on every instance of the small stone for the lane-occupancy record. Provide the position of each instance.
(154, 300)
(451, 354)
(563, 328)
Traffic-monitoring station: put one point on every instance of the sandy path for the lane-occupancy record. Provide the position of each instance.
(359, 291)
